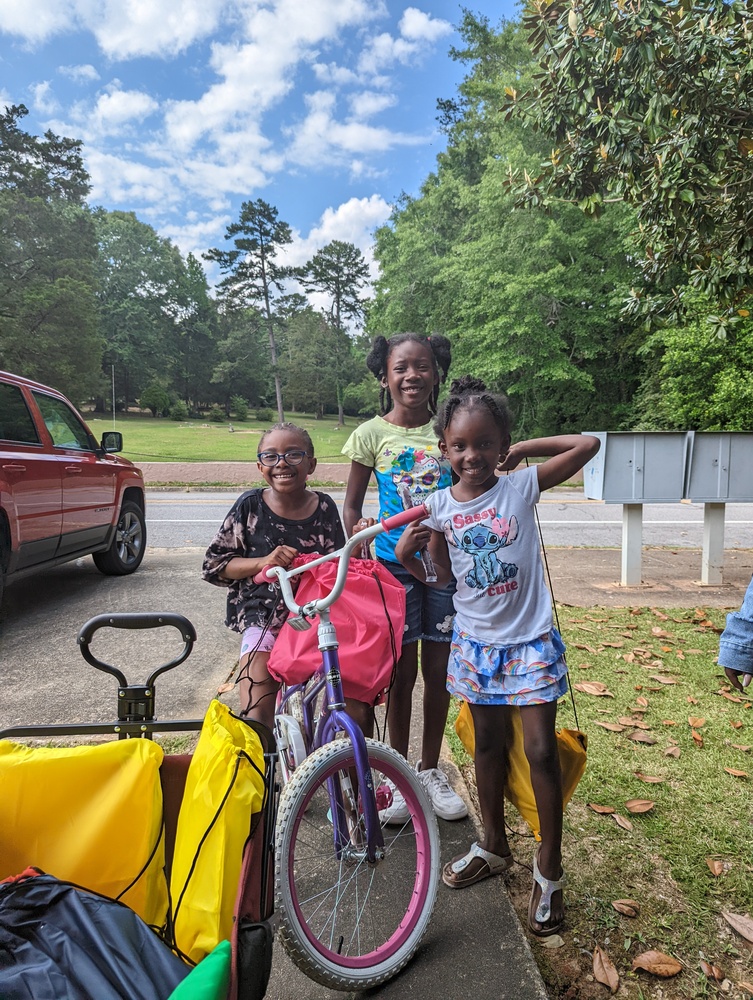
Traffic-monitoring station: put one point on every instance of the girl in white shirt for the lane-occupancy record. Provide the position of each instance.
(505, 649)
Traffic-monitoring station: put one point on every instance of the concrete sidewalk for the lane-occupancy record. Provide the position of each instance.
(475, 945)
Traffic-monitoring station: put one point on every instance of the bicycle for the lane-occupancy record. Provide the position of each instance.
(353, 897)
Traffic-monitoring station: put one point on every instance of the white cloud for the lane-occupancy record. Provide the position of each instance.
(354, 221)
(79, 74)
(369, 103)
(43, 99)
(123, 30)
(418, 32)
(420, 27)
(118, 107)
(333, 75)
(319, 140)
(258, 72)
(128, 185)
(36, 20)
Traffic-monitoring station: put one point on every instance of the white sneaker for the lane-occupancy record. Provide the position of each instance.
(446, 802)
(397, 811)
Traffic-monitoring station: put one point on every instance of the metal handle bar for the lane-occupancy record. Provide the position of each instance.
(265, 575)
(130, 620)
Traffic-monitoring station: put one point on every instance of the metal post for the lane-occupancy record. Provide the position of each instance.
(712, 559)
(632, 544)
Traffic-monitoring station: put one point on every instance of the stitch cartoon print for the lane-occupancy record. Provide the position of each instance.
(481, 543)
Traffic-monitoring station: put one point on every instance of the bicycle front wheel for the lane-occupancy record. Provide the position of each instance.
(348, 923)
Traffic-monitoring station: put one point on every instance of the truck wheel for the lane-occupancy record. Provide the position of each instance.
(127, 550)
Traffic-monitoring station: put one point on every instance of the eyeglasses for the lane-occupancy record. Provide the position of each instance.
(271, 458)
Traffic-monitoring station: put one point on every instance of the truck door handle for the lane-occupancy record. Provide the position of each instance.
(74, 469)
(14, 468)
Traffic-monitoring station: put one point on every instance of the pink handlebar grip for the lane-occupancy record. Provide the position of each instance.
(405, 517)
(261, 576)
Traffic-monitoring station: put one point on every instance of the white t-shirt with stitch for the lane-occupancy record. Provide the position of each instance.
(502, 598)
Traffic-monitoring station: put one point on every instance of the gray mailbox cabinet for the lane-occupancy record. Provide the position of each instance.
(720, 467)
(634, 467)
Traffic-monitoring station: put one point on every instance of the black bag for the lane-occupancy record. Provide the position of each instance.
(58, 942)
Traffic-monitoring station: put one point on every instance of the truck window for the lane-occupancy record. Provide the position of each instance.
(65, 429)
(16, 423)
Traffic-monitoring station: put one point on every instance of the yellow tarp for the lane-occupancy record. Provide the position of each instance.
(224, 788)
(90, 815)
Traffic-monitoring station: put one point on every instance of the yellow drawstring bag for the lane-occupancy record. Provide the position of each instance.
(572, 745)
(224, 789)
(91, 815)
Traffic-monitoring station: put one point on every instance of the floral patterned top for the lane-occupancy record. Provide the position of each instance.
(251, 529)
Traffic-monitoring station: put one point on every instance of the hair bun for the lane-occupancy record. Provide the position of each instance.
(467, 385)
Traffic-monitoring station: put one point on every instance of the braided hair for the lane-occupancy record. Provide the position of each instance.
(302, 433)
(468, 393)
(381, 348)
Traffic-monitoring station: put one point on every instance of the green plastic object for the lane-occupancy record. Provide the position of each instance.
(210, 979)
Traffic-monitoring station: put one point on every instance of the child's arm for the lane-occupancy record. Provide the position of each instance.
(241, 567)
(566, 454)
(358, 480)
(415, 537)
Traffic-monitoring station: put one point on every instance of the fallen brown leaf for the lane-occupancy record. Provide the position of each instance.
(621, 821)
(595, 688)
(650, 779)
(602, 810)
(641, 737)
(614, 645)
(736, 723)
(672, 752)
(712, 971)
(668, 722)
(695, 722)
(660, 633)
(604, 970)
(625, 720)
(658, 964)
(715, 867)
(613, 727)
(735, 773)
(680, 655)
(663, 680)
(742, 924)
(697, 737)
(627, 907)
(636, 806)
(691, 700)
(730, 697)
(224, 688)
(746, 986)
(740, 746)
(643, 702)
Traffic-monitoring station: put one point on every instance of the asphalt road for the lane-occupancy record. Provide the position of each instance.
(188, 517)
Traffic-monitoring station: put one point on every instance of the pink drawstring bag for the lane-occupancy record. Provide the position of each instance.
(369, 617)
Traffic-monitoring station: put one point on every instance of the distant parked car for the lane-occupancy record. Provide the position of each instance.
(63, 494)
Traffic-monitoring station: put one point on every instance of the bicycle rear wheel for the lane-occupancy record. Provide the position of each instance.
(346, 923)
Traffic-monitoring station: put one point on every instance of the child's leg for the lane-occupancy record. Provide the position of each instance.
(399, 698)
(434, 657)
(361, 713)
(492, 730)
(258, 689)
(540, 741)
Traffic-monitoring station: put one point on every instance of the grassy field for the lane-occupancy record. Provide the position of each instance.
(662, 815)
(158, 439)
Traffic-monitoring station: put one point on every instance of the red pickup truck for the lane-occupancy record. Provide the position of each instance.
(62, 494)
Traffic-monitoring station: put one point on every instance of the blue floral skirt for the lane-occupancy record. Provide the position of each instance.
(531, 673)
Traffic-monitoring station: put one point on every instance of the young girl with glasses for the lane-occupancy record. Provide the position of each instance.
(270, 527)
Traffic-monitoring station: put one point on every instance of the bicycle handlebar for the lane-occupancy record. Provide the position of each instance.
(268, 573)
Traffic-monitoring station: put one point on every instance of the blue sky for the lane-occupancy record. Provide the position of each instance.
(324, 108)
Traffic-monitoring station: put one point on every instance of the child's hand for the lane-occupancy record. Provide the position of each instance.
(415, 537)
(364, 522)
(511, 460)
(283, 556)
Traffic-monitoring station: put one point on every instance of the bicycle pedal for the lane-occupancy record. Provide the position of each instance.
(299, 623)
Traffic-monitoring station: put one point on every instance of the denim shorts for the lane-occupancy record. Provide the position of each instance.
(429, 612)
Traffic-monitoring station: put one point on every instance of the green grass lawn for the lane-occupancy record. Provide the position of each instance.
(158, 439)
(666, 735)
